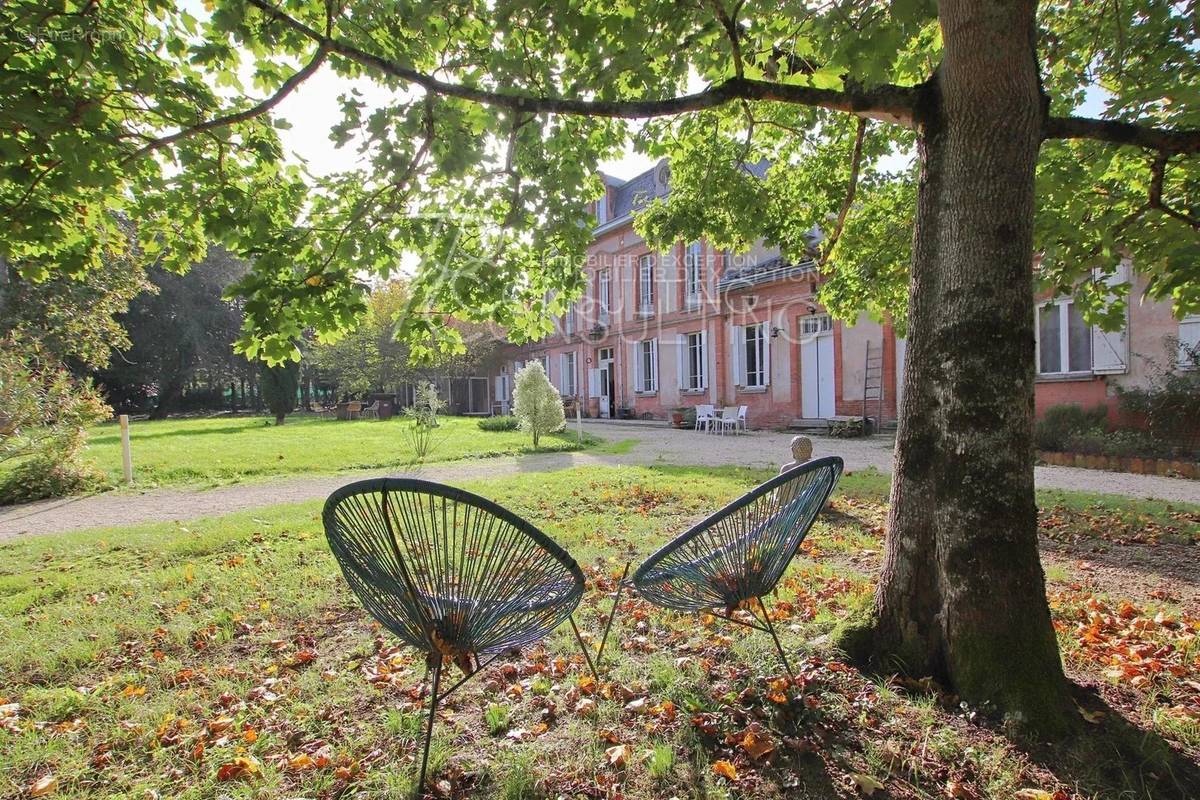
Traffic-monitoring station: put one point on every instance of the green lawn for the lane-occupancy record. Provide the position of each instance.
(208, 451)
(145, 661)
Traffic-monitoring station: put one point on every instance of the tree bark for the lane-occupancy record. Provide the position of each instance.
(962, 593)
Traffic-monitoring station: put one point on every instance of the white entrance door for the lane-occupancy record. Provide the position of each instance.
(604, 358)
(816, 377)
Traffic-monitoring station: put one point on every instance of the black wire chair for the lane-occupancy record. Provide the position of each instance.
(733, 559)
(450, 573)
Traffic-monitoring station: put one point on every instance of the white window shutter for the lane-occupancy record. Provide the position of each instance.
(680, 347)
(593, 383)
(653, 365)
(1110, 349)
(703, 359)
(766, 348)
(1189, 338)
(736, 372)
(636, 365)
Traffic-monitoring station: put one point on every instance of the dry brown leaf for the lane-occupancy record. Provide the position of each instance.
(865, 783)
(617, 755)
(725, 770)
(44, 786)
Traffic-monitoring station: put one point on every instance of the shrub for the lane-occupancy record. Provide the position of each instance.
(1060, 423)
(536, 403)
(279, 386)
(1121, 444)
(498, 424)
(1171, 401)
(422, 420)
(847, 428)
(44, 411)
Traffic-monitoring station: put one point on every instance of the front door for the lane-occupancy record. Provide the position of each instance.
(816, 367)
(604, 358)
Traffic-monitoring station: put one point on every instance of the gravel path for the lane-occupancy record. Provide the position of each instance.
(655, 445)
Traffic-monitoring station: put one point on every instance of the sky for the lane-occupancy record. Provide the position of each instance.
(313, 109)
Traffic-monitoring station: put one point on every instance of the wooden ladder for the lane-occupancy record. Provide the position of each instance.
(873, 385)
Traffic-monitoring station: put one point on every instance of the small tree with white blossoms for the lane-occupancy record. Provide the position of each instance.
(536, 404)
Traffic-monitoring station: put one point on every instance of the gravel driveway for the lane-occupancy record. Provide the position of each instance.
(656, 444)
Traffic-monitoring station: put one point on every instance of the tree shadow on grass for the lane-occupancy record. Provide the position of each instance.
(1113, 758)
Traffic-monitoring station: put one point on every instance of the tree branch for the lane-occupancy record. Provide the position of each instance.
(732, 33)
(851, 190)
(1179, 142)
(887, 99)
(1157, 175)
(286, 88)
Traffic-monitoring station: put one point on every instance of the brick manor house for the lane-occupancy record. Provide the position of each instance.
(694, 325)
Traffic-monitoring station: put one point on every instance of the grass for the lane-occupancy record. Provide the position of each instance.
(220, 450)
(226, 657)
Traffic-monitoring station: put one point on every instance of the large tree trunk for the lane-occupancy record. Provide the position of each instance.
(962, 593)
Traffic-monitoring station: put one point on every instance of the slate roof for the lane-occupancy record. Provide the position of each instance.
(772, 269)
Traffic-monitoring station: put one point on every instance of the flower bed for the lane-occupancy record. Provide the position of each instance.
(1141, 466)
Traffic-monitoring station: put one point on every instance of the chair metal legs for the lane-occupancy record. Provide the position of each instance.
(583, 647)
(613, 612)
(433, 704)
(767, 628)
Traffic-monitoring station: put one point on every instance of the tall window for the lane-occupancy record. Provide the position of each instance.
(694, 362)
(646, 284)
(1064, 339)
(647, 365)
(568, 375)
(604, 293)
(754, 345)
(693, 274)
(569, 321)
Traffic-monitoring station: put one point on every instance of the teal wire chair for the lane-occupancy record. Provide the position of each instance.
(451, 574)
(736, 556)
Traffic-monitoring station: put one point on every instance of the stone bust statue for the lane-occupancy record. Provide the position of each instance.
(801, 452)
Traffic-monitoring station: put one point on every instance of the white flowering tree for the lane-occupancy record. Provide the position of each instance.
(536, 403)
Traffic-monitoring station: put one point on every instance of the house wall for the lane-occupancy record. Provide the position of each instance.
(1152, 328)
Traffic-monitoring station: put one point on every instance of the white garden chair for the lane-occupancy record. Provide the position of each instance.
(728, 421)
(705, 417)
(742, 425)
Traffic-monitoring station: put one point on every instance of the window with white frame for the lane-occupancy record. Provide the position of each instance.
(567, 383)
(569, 320)
(604, 293)
(817, 323)
(1064, 339)
(693, 274)
(545, 360)
(646, 284)
(646, 353)
(695, 360)
(754, 355)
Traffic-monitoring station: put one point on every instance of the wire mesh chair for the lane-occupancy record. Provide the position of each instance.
(450, 573)
(736, 556)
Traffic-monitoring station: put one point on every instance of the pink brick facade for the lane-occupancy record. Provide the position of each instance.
(655, 332)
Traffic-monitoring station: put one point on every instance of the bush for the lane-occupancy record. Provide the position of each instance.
(1171, 403)
(279, 386)
(536, 403)
(1060, 423)
(847, 428)
(499, 424)
(422, 419)
(43, 413)
(1119, 444)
